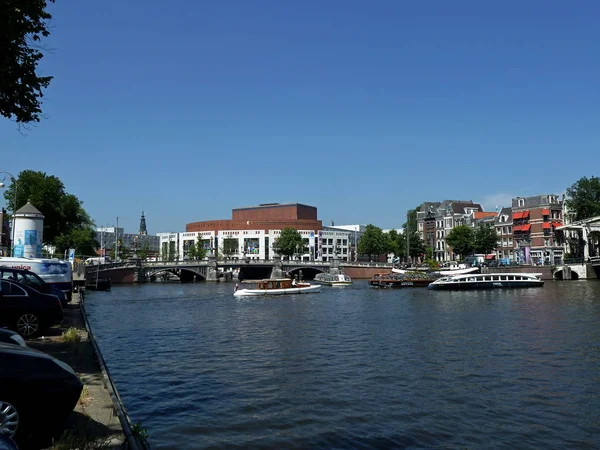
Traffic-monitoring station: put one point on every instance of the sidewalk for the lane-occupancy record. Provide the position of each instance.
(93, 424)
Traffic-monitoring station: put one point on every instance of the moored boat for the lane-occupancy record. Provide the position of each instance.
(398, 280)
(333, 280)
(453, 270)
(487, 281)
(277, 286)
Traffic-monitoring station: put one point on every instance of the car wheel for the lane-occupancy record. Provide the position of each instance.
(9, 419)
(28, 324)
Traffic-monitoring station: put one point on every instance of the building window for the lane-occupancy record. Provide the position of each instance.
(521, 202)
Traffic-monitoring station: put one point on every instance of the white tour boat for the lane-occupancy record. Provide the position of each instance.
(487, 281)
(277, 286)
(333, 280)
(450, 271)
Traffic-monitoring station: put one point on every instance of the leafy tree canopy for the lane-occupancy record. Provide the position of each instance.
(462, 240)
(124, 253)
(23, 23)
(411, 220)
(288, 241)
(63, 212)
(229, 247)
(485, 239)
(143, 251)
(374, 241)
(394, 242)
(197, 250)
(82, 239)
(583, 198)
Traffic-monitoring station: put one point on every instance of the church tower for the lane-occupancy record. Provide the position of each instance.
(143, 230)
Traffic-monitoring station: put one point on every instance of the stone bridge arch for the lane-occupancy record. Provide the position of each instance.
(308, 272)
(185, 274)
(570, 272)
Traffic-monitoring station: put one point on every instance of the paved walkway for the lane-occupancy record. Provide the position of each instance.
(94, 419)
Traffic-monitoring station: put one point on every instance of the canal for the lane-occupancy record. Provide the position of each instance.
(356, 368)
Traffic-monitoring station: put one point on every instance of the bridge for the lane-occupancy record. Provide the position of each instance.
(194, 270)
(210, 269)
(585, 228)
(588, 262)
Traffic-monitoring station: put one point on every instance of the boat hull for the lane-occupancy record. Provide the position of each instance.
(399, 283)
(334, 283)
(480, 285)
(284, 291)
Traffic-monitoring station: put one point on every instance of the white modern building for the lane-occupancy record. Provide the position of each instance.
(319, 245)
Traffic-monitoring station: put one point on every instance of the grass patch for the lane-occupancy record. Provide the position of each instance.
(72, 335)
(69, 441)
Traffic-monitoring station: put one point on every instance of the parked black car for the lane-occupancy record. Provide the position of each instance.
(6, 443)
(11, 337)
(33, 280)
(26, 310)
(37, 392)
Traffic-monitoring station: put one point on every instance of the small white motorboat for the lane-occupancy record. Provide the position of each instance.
(333, 280)
(277, 286)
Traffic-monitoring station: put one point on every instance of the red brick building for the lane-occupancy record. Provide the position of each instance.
(267, 216)
(534, 223)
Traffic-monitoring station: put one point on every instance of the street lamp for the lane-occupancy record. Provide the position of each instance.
(12, 239)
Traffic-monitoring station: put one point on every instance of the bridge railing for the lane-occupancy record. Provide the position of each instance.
(574, 261)
(236, 262)
(92, 267)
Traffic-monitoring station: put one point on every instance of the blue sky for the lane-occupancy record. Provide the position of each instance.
(363, 109)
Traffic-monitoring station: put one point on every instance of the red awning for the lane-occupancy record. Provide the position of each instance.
(526, 228)
(546, 225)
(518, 228)
(556, 223)
(525, 214)
(545, 212)
(517, 215)
(490, 256)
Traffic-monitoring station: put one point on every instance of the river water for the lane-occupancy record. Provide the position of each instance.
(356, 368)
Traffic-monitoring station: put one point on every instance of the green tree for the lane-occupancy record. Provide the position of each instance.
(288, 241)
(229, 247)
(23, 23)
(462, 240)
(197, 250)
(124, 252)
(411, 220)
(83, 240)
(417, 246)
(485, 239)
(63, 212)
(393, 241)
(373, 242)
(583, 198)
(167, 251)
(144, 250)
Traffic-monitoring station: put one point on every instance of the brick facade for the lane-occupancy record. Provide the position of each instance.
(264, 217)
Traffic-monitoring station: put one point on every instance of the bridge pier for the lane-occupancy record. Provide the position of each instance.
(277, 271)
(212, 272)
(335, 266)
